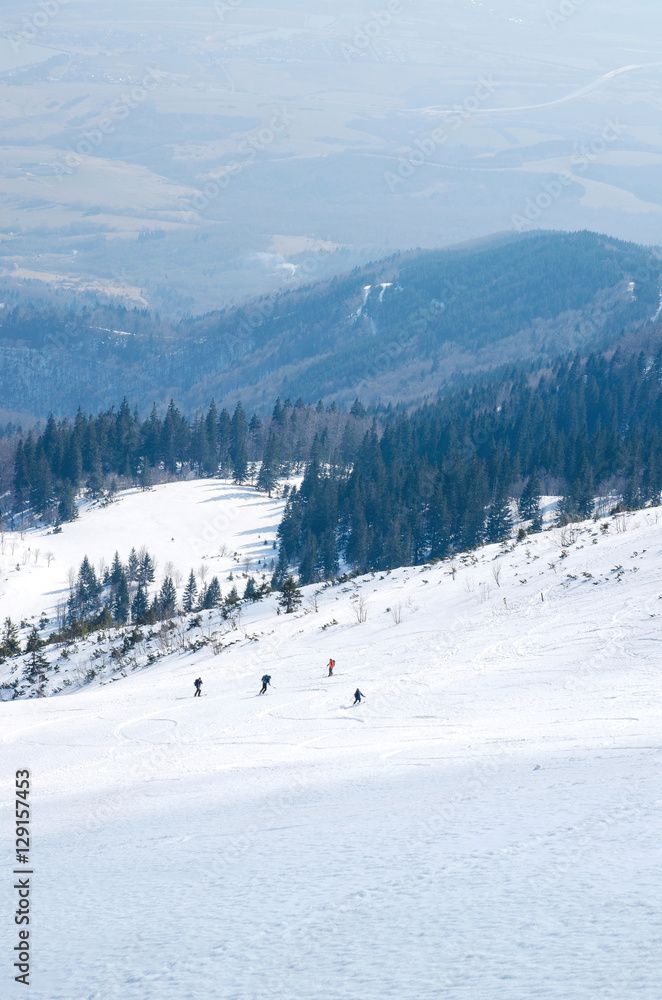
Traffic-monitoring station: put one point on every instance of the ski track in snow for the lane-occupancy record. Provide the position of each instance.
(485, 826)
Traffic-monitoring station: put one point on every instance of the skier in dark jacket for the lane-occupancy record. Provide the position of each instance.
(197, 684)
(357, 697)
(266, 681)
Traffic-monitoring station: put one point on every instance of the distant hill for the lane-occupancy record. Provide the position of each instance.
(398, 330)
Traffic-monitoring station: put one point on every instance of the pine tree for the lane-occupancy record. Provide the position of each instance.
(255, 430)
(37, 663)
(281, 571)
(139, 606)
(224, 439)
(238, 452)
(117, 571)
(121, 601)
(290, 596)
(132, 567)
(145, 476)
(190, 594)
(230, 603)
(250, 593)
(88, 588)
(211, 424)
(9, 643)
(213, 594)
(266, 479)
(146, 571)
(499, 518)
(168, 599)
(529, 502)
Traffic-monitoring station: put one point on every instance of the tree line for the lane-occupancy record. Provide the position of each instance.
(117, 448)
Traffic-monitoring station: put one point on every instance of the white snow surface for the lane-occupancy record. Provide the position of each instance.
(485, 825)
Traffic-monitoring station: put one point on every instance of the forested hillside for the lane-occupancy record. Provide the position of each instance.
(443, 479)
(398, 330)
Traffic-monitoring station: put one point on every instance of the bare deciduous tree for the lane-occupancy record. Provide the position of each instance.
(360, 609)
(496, 573)
(313, 601)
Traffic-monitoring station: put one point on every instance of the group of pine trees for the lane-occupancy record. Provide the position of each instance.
(445, 478)
(101, 601)
(50, 469)
(121, 594)
(36, 664)
(111, 597)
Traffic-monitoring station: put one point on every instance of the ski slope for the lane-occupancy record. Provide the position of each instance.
(484, 826)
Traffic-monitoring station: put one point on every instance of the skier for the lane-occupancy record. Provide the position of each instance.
(266, 680)
(357, 697)
(197, 684)
(332, 664)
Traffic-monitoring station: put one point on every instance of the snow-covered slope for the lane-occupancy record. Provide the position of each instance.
(485, 825)
(185, 524)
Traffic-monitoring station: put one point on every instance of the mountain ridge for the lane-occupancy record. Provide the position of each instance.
(398, 330)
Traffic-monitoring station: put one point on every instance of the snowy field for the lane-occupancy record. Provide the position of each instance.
(184, 525)
(485, 826)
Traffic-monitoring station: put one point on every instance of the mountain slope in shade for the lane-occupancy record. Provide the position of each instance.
(398, 330)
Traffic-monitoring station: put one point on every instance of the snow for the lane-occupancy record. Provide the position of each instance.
(484, 826)
(185, 524)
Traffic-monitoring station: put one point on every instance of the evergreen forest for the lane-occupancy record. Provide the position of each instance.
(389, 488)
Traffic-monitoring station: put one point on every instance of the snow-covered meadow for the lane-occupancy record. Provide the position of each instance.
(203, 522)
(484, 826)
